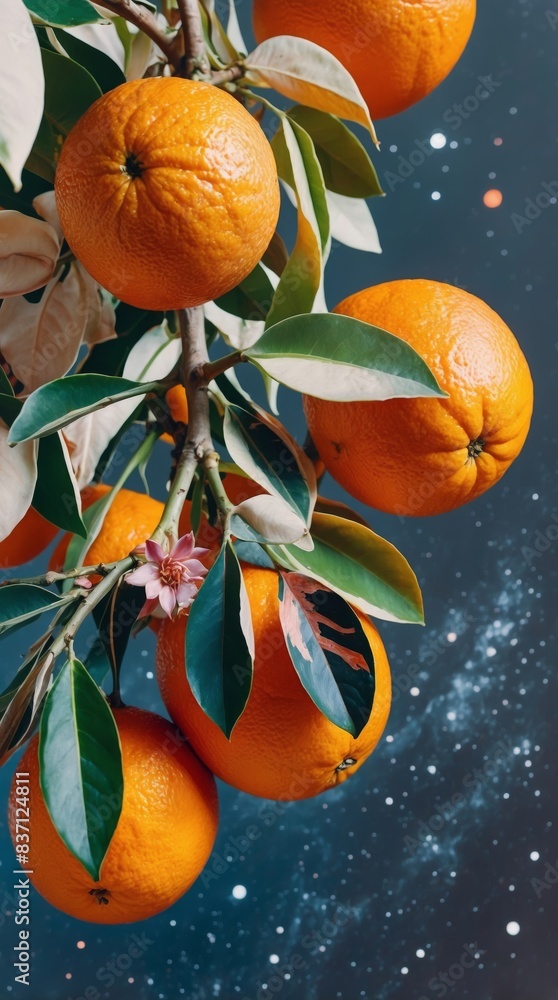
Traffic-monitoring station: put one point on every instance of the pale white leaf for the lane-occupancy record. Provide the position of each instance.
(22, 86)
(41, 340)
(45, 206)
(246, 619)
(101, 318)
(153, 357)
(17, 482)
(236, 332)
(309, 75)
(273, 518)
(143, 52)
(233, 29)
(103, 37)
(352, 223)
(28, 253)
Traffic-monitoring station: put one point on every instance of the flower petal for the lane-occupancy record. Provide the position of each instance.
(186, 594)
(148, 608)
(153, 588)
(154, 552)
(184, 547)
(195, 569)
(143, 574)
(167, 600)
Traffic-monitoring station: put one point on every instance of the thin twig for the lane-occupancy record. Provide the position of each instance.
(196, 63)
(143, 19)
(198, 442)
(214, 368)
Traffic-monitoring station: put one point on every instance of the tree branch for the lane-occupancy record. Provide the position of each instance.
(143, 19)
(198, 441)
(196, 63)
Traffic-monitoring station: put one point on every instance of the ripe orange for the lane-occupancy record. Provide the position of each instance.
(282, 747)
(167, 192)
(164, 836)
(396, 50)
(28, 539)
(178, 404)
(428, 456)
(129, 521)
(178, 407)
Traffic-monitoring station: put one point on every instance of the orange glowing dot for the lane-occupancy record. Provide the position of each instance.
(68, 975)
(498, 141)
(493, 198)
(81, 944)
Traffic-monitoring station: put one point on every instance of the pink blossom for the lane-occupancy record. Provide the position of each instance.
(83, 582)
(169, 578)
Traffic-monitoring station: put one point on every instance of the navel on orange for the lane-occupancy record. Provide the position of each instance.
(167, 192)
(164, 835)
(428, 456)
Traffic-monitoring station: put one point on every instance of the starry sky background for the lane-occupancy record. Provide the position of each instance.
(376, 889)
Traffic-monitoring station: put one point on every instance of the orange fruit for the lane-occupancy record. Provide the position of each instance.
(178, 406)
(129, 521)
(282, 747)
(28, 539)
(164, 836)
(396, 50)
(167, 192)
(428, 456)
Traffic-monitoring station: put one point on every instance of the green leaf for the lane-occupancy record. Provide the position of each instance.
(102, 68)
(266, 457)
(339, 358)
(276, 256)
(308, 74)
(19, 715)
(20, 602)
(63, 13)
(59, 403)
(57, 495)
(253, 554)
(81, 766)
(251, 299)
(22, 200)
(220, 643)
(69, 90)
(6, 387)
(301, 279)
(10, 408)
(329, 650)
(357, 563)
(97, 662)
(346, 166)
(42, 158)
(115, 617)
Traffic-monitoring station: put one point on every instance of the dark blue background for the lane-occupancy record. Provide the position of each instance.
(391, 915)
